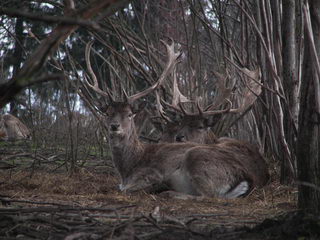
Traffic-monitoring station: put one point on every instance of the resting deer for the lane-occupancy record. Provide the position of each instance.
(177, 166)
(196, 127)
(11, 128)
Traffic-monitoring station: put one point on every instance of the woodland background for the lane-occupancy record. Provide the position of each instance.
(43, 71)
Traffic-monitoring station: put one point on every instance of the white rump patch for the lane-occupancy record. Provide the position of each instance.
(239, 190)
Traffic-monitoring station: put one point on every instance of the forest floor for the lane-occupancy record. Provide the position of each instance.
(40, 200)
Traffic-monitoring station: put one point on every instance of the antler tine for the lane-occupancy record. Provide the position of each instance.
(184, 111)
(199, 107)
(171, 62)
(210, 113)
(175, 108)
(177, 95)
(160, 108)
(124, 93)
(95, 85)
(224, 92)
(253, 89)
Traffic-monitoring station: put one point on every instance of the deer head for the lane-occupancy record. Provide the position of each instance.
(120, 114)
(185, 125)
(196, 126)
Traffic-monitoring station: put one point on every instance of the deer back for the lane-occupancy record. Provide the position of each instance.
(250, 157)
(13, 129)
(214, 171)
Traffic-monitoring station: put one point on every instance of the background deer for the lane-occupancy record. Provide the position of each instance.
(175, 166)
(11, 128)
(197, 126)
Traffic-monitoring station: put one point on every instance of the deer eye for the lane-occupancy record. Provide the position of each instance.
(130, 115)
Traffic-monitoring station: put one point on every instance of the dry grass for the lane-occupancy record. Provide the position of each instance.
(88, 188)
(95, 186)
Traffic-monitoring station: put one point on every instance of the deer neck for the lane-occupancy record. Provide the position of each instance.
(210, 137)
(126, 152)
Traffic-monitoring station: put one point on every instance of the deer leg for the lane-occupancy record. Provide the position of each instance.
(180, 196)
(241, 189)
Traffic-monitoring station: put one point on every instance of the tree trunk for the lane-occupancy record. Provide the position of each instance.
(309, 119)
(17, 57)
(290, 82)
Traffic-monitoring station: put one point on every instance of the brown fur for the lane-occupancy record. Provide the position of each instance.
(3, 134)
(195, 129)
(11, 128)
(250, 157)
(210, 168)
(189, 168)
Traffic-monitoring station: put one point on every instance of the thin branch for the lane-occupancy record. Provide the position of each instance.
(40, 56)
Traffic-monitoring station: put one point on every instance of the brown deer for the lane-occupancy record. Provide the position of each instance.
(175, 166)
(11, 128)
(196, 127)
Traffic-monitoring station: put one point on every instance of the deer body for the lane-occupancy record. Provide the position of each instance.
(11, 128)
(226, 149)
(196, 127)
(188, 168)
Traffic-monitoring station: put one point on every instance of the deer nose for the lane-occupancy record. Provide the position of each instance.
(180, 138)
(114, 126)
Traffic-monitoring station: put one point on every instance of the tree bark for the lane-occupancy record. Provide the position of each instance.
(309, 119)
(17, 57)
(290, 82)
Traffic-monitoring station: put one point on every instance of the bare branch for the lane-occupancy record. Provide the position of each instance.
(50, 19)
(40, 56)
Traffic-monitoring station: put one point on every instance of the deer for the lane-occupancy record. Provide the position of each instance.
(12, 129)
(197, 126)
(176, 167)
(183, 125)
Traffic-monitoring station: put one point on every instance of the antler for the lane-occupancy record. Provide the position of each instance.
(208, 113)
(160, 108)
(223, 92)
(95, 85)
(253, 89)
(177, 97)
(250, 95)
(171, 62)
